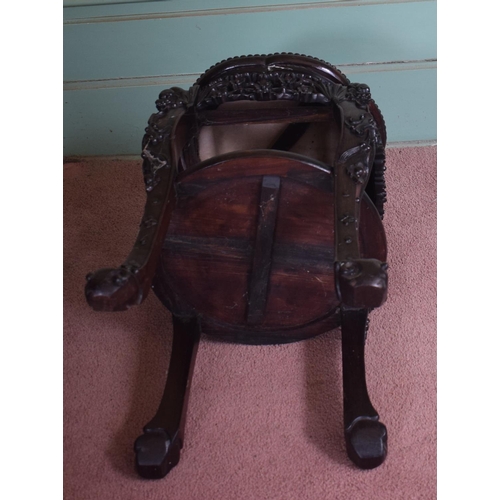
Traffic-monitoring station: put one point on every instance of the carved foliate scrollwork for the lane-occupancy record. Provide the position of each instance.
(171, 99)
(265, 87)
(268, 86)
(291, 85)
(157, 156)
(359, 93)
(364, 125)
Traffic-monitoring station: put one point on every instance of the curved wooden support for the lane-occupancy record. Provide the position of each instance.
(361, 283)
(366, 436)
(158, 449)
(118, 289)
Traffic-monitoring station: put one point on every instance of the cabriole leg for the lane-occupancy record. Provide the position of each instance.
(366, 437)
(158, 449)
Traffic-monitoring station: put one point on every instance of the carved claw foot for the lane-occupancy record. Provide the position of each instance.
(156, 455)
(366, 441)
(112, 289)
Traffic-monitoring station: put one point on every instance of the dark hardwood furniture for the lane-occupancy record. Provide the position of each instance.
(265, 193)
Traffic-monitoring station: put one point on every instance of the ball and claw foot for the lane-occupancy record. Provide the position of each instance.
(156, 455)
(366, 441)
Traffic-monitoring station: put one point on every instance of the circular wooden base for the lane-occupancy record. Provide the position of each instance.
(251, 247)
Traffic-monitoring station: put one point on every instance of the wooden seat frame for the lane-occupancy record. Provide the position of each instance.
(351, 189)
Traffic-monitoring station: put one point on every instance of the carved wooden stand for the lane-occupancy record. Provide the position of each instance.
(263, 245)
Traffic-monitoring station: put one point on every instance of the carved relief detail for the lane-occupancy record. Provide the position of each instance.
(155, 155)
(265, 87)
(358, 172)
(306, 88)
(364, 125)
(356, 162)
(171, 99)
(268, 86)
(359, 93)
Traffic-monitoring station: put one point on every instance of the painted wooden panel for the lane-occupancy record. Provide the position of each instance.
(80, 9)
(99, 3)
(187, 45)
(98, 7)
(112, 121)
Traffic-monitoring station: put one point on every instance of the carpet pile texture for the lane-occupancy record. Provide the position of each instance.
(264, 422)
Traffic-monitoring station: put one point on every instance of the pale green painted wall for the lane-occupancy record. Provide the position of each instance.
(117, 58)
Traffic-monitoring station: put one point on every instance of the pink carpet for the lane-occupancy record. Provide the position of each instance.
(263, 422)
